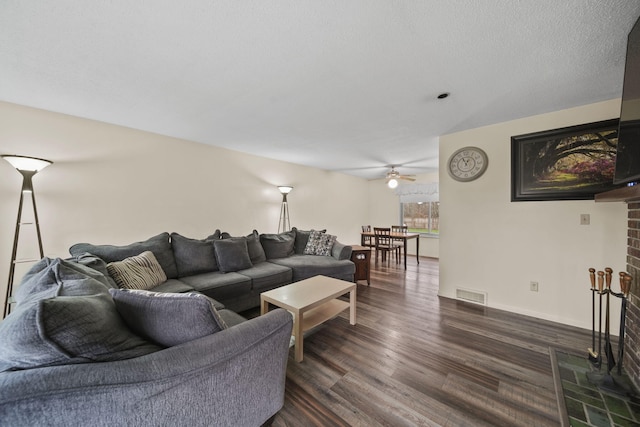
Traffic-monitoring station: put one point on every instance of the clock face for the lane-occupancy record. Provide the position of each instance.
(467, 164)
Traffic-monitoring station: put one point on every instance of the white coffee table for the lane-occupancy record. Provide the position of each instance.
(311, 301)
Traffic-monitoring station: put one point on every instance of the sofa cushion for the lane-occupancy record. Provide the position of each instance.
(176, 286)
(159, 245)
(194, 256)
(278, 245)
(215, 236)
(232, 254)
(168, 319)
(137, 272)
(267, 275)
(256, 252)
(341, 251)
(218, 285)
(319, 244)
(49, 278)
(39, 278)
(305, 266)
(95, 263)
(231, 318)
(65, 330)
(172, 285)
(302, 237)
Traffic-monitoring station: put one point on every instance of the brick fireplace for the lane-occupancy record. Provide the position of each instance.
(630, 195)
(632, 336)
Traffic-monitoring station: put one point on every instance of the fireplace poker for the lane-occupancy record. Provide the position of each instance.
(607, 337)
(593, 355)
(625, 287)
(600, 293)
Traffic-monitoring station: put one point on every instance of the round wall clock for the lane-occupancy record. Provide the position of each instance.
(467, 164)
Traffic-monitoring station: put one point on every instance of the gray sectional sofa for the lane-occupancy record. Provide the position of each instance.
(232, 270)
(79, 350)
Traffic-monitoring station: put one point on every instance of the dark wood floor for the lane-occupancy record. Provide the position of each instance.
(415, 359)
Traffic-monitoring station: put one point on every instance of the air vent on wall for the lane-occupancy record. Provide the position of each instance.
(468, 295)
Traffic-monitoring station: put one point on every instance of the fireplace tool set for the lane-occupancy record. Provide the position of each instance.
(603, 289)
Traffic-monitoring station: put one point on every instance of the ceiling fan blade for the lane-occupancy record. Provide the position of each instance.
(406, 178)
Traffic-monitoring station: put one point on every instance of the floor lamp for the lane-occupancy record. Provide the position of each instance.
(28, 167)
(284, 224)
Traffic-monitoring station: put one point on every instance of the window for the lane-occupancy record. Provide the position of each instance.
(420, 208)
(421, 217)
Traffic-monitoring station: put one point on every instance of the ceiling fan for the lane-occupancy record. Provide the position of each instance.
(393, 176)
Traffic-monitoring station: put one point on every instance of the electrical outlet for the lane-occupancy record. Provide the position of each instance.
(585, 219)
(533, 286)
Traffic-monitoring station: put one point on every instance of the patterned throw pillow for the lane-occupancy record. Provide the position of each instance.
(137, 272)
(302, 238)
(319, 244)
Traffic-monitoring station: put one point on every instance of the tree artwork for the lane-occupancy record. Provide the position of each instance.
(568, 163)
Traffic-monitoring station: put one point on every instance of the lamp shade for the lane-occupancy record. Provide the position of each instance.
(393, 183)
(24, 163)
(285, 189)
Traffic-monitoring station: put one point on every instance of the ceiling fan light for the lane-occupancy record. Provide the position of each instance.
(393, 183)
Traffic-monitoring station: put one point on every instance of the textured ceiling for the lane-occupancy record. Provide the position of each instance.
(339, 85)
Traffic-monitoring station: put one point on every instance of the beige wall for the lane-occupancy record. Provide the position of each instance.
(115, 185)
(490, 244)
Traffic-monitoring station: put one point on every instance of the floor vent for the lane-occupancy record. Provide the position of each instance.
(475, 297)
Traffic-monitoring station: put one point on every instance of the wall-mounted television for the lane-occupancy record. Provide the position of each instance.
(628, 151)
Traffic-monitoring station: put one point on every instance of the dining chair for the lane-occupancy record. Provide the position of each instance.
(399, 228)
(399, 243)
(383, 242)
(367, 241)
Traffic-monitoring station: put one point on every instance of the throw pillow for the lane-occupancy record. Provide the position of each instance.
(256, 252)
(232, 255)
(159, 245)
(327, 241)
(168, 319)
(302, 237)
(278, 245)
(319, 244)
(64, 330)
(137, 272)
(193, 256)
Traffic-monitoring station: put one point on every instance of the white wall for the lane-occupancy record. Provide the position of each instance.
(115, 185)
(490, 244)
(384, 211)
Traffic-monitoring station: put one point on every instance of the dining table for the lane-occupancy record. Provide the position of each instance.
(405, 237)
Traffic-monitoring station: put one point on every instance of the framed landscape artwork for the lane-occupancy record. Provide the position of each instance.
(572, 163)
